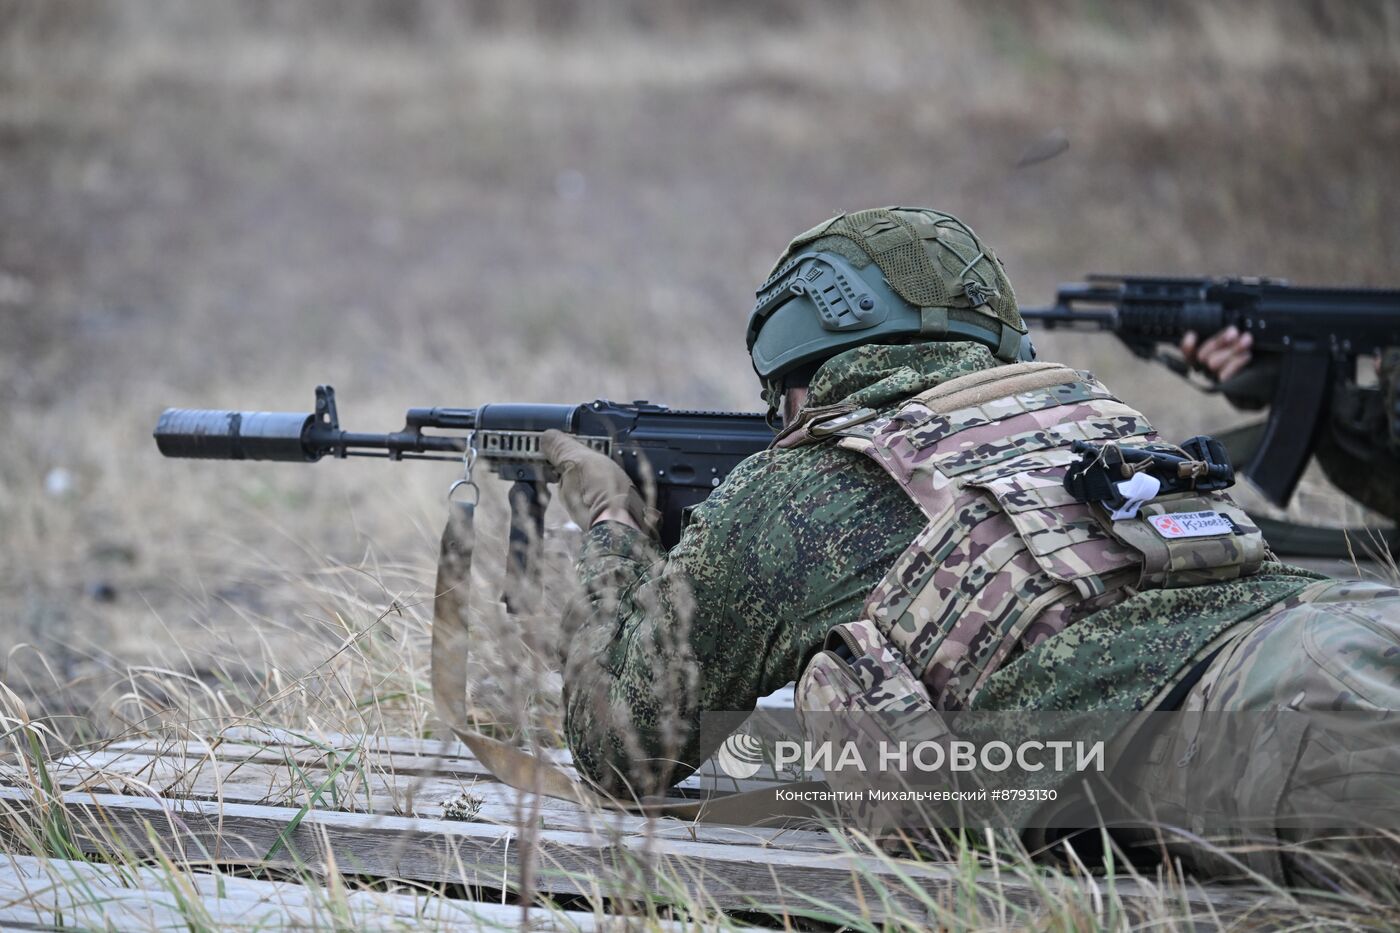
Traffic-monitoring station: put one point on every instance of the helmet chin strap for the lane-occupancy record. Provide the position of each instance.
(773, 395)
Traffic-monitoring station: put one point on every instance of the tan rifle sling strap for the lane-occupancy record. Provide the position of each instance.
(517, 767)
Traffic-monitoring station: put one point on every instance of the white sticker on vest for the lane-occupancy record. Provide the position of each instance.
(1191, 524)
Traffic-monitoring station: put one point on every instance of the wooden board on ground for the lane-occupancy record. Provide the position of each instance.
(425, 811)
(405, 756)
(35, 892)
(367, 788)
(624, 867)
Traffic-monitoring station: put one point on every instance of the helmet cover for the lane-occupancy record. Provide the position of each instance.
(882, 276)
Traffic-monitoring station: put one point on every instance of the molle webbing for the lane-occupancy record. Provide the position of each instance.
(1008, 558)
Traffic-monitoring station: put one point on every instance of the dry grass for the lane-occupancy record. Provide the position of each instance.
(220, 205)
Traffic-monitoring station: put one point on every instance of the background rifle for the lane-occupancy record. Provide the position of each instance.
(1306, 344)
(675, 457)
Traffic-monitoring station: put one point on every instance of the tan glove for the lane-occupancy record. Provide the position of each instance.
(590, 483)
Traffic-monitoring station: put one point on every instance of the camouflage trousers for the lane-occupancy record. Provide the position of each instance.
(1285, 738)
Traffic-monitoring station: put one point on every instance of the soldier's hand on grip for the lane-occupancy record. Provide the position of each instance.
(593, 487)
(1223, 355)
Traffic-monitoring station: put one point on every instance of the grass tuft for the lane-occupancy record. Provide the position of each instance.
(463, 203)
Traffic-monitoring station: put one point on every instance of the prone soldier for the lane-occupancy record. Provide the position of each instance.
(907, 543)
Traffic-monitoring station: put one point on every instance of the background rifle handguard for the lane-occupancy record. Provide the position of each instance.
(1306, 341)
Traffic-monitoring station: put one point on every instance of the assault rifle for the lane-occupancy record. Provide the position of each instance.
(675, 457)
(1306, 344)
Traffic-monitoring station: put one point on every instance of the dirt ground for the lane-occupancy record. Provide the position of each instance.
(222, 205)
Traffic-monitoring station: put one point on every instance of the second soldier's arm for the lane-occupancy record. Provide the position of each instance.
(1368, 479)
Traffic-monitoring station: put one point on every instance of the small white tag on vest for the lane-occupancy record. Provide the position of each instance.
(1137, 492)
(1191, 524)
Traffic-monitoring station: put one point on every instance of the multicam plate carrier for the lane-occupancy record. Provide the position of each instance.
(1009, 557)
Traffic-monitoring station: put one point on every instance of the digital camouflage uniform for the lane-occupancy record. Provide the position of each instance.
(791, 545)
(797, 539)
(1319, 671)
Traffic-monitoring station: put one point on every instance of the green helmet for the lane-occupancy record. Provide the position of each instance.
(889, 275)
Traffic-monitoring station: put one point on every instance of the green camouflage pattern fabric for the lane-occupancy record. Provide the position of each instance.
(790, 546)
(748, 594)
(1329, 649)
(1122, 657)
(1346, 644)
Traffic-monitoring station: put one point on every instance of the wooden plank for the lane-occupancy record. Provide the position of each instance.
(448, 747)
(451, 749)
(49, 891)
(106, 907)
(398, 795)
(148, 760)
(357, 789)
(395, 762)
(474, 854)
(626, 868)
(461, 757)
(399, 756)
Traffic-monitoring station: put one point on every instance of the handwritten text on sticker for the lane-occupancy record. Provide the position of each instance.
(1191, 524)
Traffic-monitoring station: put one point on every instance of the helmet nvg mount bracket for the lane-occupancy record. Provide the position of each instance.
(925, 276)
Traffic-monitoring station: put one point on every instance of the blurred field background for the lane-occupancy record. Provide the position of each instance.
(450, 203)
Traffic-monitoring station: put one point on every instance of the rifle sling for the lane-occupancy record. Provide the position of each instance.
(517, 767)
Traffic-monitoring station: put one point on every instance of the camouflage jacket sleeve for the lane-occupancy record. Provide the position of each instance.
(1372, 480)
(772, 560)
(622, 725)
(1367, 468)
